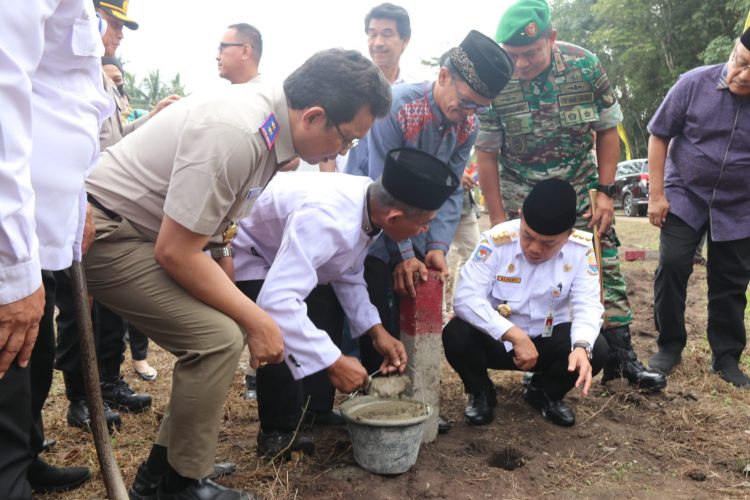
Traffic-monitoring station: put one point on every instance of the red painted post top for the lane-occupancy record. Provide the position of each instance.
(631, 255)
(423, 315)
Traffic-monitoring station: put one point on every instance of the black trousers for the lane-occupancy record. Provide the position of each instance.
(281, 398)
(109, 337)
(728, 274)
(23, 392)
(138, 343)
(379, 279)
(471, 353)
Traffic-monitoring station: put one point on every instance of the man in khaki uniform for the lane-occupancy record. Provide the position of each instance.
(175, 187)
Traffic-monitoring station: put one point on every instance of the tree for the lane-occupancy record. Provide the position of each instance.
(646, 44)
(151, 89)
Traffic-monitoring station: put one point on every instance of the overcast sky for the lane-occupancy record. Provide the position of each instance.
(182, 37)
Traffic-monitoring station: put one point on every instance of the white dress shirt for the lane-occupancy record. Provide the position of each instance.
(306, 229)
(565, 286)
(52, 103)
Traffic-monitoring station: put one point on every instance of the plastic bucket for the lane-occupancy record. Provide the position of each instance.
(385, 433)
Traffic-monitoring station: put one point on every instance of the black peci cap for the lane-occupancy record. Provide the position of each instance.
(418, 179)
(550, 207)
(483, 64)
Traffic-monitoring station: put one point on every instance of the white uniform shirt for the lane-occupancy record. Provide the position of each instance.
(304, 230)
(52, 104)
(566, 285)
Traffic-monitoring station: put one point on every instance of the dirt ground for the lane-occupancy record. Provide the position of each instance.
(690, 441)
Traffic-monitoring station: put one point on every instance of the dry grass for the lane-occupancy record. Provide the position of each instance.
(691, 441)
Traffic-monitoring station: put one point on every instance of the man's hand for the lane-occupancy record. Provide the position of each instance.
(467, 182)
(392, 350)
(19, 327)
(347, 374)
(436, 260)
(658, 208)
(578, 360)
(89, 230)
(403, 276)
(164, 103)
(604, 215)
(264, 340)
(525, 354)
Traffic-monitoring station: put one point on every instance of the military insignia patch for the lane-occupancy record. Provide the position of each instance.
(482, 253)
(511, 268)
(567, 268)
(531, 29)
(593, 269)
(270, 130)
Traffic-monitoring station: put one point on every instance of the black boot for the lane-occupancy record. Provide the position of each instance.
(146, 482)
(623, 362)
(117, 393)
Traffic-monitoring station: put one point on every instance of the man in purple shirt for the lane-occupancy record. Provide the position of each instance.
(699, 161)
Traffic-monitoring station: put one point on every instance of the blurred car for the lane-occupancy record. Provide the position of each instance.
(631, 181)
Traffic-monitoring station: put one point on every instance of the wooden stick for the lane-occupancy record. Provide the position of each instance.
(597, 244)
(110, 472)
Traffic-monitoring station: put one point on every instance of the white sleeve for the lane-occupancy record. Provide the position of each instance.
(471, 301)
(351, 290)
(310, 239)
(587, 308)
(21, 49)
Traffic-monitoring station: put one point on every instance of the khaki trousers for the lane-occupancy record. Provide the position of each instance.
(121, 273)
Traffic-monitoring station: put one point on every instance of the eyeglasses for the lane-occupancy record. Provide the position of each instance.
(468, 104)
(224, 45)
(348, 143)
(736, 64)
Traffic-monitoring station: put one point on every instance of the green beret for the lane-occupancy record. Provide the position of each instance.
(523, 23)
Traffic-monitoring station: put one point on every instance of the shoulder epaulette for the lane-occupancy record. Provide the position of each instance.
(502, 236)
(581, 237)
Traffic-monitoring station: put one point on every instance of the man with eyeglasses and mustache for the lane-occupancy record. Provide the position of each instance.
(438, 118)
(699, 161)
(239, 53)
(542, 126)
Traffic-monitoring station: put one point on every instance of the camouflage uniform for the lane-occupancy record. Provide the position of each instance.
(543, 128)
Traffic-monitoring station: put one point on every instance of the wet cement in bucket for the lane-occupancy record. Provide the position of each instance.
(389, 410)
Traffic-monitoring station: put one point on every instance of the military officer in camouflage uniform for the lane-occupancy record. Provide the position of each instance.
(544, 125)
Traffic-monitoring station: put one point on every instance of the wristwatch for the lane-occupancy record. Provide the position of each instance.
(608, 189)
(583, 345)
(221, 252)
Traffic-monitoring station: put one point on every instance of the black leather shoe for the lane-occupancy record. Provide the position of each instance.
(479, 410)
(664, 361)
(48, 444)
(79, 416)
(204, 489)
(281, 444)
(731, 373)
(444, 426)
(44, 477)
(556, 412)
(119, 395)
(330, 417)
(146, 483)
